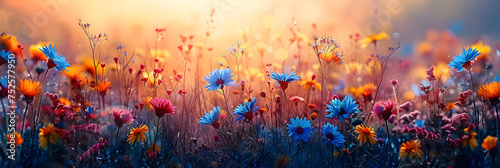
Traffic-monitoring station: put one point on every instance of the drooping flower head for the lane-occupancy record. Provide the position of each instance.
(490, 91)
(48, 135)
(469, 140)
(284, 79)
(102, 87)
(366, 134)
(384, 109)
(211, 118)
(122, 117)
(55, 61)
(464, 60)
(300, 129)
(137, 134)
(342, 109)
(246, 110)
(332, 135)
(30, 88)
(218, 78)
(162, 106)
(411, 150)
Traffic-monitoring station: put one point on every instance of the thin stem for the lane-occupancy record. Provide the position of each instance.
(24, 117)
(473, 97)
(498, 121)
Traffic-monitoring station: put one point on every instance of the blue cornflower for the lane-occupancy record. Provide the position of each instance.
(218, 78)
(55, 61)
(300, 129)
(342, 109)
(283, 79)
(246, 111)
(211, 118)
(420, 123)
(464, 60)
(332, 135)
(4, 91)
(5, 55)
(90, 110)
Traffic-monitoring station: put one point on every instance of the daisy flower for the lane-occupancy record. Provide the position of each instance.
(411, 150)
(366, 134)
(137, 134)
(218, 78)
(332, 135)
(343, 109)
(490, 91)
(245, 111)
(48, 135)
(367, 91)
(162, 106)
(211, 118)
(373, 39)
(464, 60)
(17, 138)
(5, 56)
(300, 129)
(36, 51)
(284, 79)
(385, 109)
(55, 61)
(30, 88)
(490, 143)
(122, 117)
(470, 139)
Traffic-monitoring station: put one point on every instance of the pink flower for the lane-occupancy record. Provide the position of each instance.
(122, 117)
(394, 82)
(297, 99)
(384, 109)
(430, 74)
(162, 106)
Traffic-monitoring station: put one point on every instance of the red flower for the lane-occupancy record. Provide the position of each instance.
(162, 106)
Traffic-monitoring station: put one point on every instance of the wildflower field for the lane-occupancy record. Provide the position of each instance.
(248, 84)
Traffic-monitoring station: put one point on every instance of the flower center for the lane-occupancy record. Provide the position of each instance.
(219, 82)
(249, 115)
(330, 136)
(467, 65)
(299, 130)
(51, 64)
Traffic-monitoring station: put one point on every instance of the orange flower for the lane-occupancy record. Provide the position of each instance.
(471, 140)
(30, 88)
(490, 143)
(367, 90)
(36, 51)
(483, 49)
(10, 42)
(16, 137)
(137, 134)
(102, 87)
(74, 74)
(48, 135)
(373, 39)
(307, 84)
(366, 134)
(88, 65)
(313, 116)
(490, 91)
(411, 150)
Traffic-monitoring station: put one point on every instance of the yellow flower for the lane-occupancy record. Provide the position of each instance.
(30, 88)
(48, 135)
(490, 143)
(373, 39)
(411, 150)
(409, 95)
(253, 74)
(146, 102)
(74, 74)
(137, 134)
(152, 82)
(307, 84)
(16, 137)
(65, 101)
(154, 148)
(424, 48)
(353, 68)
(490, 91)
(366, 134)
(88, 65)
(483, 49)
(442, 71)
(37, 53)
(471, 140)
(367, 90)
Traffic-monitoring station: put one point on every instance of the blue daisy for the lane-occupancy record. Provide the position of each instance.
(342, 109)
(283, 79)
(56, 61)
(332, 135)
(464, 59)
(246, 111)
(300, 129)
(218, 78)
(420, 123)
(211, 118)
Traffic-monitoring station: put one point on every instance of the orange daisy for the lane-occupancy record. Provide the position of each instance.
(366, 134)
(36, 51)
(367, 90)
(490, 91)
(30, 88)
(102, 87)
(490, 143)
(411, 150)
(137, 134)
(17, 138)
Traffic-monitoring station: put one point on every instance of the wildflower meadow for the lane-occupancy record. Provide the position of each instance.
(247, 84)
